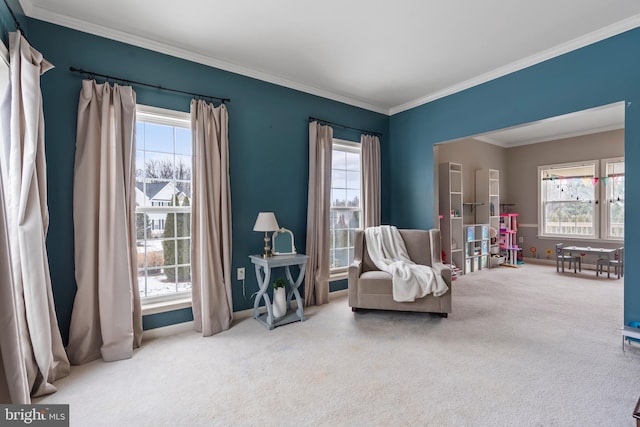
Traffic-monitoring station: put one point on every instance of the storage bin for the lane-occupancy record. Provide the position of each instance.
(496, 261)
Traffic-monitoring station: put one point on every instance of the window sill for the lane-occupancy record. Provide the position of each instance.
(342, 275)
(164, 306)
(580, 239)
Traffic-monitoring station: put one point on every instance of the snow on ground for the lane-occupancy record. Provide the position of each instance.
(156, 284)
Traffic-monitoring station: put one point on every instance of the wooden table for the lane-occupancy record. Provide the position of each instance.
(600, 252)
(263, 275)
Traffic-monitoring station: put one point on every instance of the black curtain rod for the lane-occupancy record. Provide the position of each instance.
(313, 119)
(18, 26)
(105, 76)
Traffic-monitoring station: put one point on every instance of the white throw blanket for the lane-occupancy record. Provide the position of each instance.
(410, 280)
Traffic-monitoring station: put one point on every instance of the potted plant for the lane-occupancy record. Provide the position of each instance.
(279, 297)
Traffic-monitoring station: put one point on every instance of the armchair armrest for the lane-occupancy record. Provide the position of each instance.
(444, 271)
(355, 270)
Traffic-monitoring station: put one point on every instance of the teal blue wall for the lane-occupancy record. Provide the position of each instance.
(601, 73)
(268, 145)
(6, 20)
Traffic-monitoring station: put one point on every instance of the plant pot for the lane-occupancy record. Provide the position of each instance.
(279, 302)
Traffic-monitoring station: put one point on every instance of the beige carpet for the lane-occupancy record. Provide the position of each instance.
(523, 347)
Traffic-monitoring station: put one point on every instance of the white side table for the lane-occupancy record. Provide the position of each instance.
(263, 268)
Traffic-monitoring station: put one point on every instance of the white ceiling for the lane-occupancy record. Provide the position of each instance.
(382, 55)
(585, 122)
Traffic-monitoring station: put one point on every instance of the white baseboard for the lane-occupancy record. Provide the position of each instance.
(178, 328)
(169, 330)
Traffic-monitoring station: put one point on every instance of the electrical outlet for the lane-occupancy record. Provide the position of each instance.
(241, 273)
(521, 239)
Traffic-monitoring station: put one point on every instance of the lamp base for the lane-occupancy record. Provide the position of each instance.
(267, 249)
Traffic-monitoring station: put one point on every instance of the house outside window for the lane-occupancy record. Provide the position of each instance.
(568, 200)
(163, 203)
(613, 204)
(346, 207)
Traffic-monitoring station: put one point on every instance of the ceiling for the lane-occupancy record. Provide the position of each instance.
(585, 122)
(384, 55)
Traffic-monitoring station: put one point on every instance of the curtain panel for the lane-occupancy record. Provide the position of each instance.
(316, 283)
(370, 178)
(106, 320)
(39, 357)
(210, 219)
(14, 385)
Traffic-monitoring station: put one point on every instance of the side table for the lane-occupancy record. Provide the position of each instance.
(263, 268)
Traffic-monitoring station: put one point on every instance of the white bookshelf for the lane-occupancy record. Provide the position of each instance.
(488, 193)
(450, 198)
(476, 247)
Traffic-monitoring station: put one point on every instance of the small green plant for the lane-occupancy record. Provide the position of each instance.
(279, 283)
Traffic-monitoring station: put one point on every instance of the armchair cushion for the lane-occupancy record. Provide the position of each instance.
(377, 282)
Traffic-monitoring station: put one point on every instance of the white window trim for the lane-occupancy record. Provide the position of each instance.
(596, 212)
(342, 273)
(345, 145)
(155, 306)
(604, 208)
(339, 274)
(163, 116)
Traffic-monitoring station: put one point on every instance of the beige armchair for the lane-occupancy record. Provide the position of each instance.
(371, 288)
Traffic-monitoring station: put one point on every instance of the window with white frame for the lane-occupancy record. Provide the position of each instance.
(568, 200)
(346, 206)
(613, 204)
(163, 200)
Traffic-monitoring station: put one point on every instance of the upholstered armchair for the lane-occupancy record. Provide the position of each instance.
(371, 288)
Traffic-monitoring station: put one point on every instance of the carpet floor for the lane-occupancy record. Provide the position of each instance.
(523, 347)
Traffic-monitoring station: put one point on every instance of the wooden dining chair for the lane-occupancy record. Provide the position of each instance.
(617, 262)
(561, 258)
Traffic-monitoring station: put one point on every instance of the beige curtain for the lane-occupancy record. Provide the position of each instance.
(106, 319)
(25, 192)
(316, 283)
(210, 219)
(370, 178)
(14, 385)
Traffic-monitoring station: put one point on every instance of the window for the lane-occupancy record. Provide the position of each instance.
(346, 209)
(581, 200)
(568, 200)
(163, 200)
(613, 205)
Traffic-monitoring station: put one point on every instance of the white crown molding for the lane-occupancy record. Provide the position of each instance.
(36, 12)
(601, 129)
(577, 43)
(26, 6)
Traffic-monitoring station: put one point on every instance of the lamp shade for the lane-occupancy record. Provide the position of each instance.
(266, 222)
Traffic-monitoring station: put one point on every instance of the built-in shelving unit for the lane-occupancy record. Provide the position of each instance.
(450, 198)
(488, 193)
(476, 249)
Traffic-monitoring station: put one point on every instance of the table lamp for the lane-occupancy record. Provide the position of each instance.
(266, 222)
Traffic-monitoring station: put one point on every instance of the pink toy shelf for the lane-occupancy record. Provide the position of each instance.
(507, 241)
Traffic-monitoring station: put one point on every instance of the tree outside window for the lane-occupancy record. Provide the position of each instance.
(163, 203)
(346, 209)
